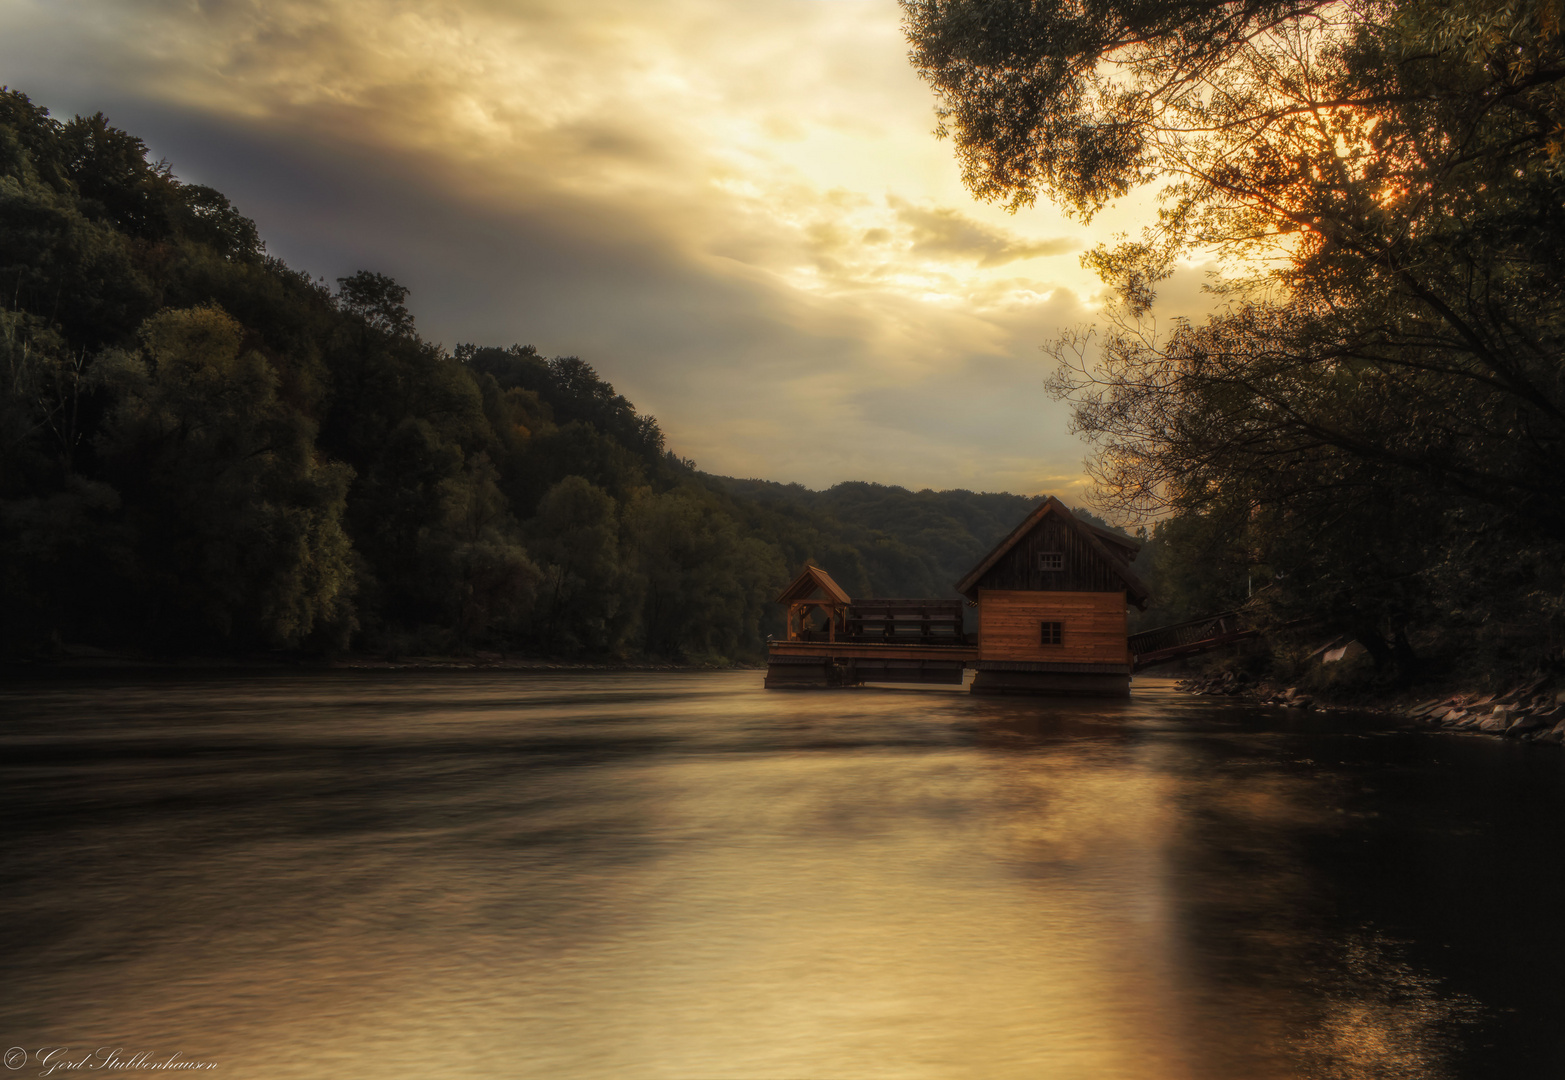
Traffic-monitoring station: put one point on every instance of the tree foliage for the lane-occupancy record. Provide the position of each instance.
(1380, 393)
(201, 448)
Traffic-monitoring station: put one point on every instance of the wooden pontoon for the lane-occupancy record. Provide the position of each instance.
(836, 641)
(1051, 600)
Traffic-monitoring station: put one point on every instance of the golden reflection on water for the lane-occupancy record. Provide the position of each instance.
(681, 877)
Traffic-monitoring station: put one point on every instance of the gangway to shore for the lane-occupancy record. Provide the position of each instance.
(1165, 644)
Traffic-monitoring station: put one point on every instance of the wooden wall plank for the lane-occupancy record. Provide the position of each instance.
(1010, 624)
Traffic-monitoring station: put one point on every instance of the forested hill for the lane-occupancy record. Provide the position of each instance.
(948, 531)
(202, 449)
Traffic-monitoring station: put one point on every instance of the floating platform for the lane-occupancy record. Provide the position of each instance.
(803, 665)
(1052, 602)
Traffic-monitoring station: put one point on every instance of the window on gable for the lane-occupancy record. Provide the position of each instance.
(1053, 633)
(1051, 560)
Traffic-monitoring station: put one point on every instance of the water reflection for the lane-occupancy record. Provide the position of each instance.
(684, 876)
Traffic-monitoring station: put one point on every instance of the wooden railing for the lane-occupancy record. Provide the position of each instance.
(900, 621)
(904, 621)
(1166, 643)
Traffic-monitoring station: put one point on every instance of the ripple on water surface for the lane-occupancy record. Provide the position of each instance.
(684, 876)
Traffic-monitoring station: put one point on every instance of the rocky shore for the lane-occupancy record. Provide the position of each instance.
(1533, 710)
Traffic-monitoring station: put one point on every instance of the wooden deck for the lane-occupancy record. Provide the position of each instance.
(808, 664)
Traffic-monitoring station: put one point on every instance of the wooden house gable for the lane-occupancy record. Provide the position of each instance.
(813, 584)
(1054, 551)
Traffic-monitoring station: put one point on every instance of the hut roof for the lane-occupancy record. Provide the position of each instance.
(805, 585)
(1115, 548)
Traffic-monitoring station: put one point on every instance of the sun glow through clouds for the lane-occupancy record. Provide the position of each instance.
(715, 203)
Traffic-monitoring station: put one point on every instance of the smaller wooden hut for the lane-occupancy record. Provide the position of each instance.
(817, 617)
(817, 606)
(1052, 598)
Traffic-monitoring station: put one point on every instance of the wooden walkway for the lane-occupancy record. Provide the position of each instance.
(1165, 644)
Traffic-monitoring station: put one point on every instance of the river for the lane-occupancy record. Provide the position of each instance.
(686, 877)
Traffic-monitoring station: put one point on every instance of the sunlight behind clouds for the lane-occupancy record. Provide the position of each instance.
(737, 211)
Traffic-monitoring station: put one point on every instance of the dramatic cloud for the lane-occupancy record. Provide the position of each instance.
(736, 211)
(941, 232)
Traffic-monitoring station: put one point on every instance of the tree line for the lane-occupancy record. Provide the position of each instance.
(202, 449)
(1367, 433)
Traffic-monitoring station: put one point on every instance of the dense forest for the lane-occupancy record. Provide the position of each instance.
(1367, 436)
(204, 450)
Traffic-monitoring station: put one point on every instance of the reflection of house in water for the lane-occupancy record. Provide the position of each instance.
(1051, 600)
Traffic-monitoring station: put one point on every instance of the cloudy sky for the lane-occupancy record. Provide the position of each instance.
(734, 209)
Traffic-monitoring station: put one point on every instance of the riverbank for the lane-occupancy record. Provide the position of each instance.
(1532, 709)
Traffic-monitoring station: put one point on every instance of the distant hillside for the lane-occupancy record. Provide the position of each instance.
(205, 450)
(948, 531)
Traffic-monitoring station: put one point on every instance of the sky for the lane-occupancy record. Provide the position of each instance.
(735, 210)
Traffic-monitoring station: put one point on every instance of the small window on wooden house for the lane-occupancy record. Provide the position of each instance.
(1053, 633)
(1051, 560)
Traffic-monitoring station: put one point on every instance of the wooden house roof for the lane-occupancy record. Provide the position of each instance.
(1115, 549)
(1117, 542)
(805, 585)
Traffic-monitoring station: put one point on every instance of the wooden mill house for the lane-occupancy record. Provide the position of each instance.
(1051, 603)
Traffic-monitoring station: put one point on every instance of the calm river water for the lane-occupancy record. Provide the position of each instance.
(683, 876)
